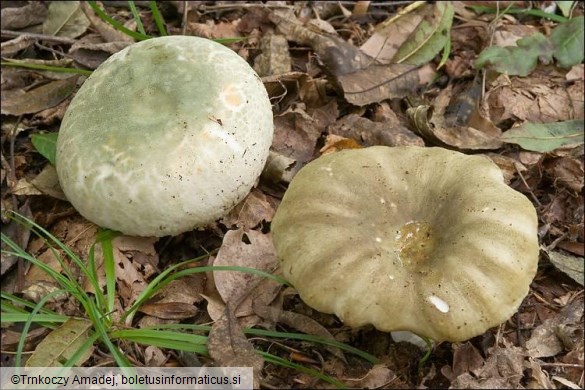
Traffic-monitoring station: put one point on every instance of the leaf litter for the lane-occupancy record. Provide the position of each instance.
(339, 76)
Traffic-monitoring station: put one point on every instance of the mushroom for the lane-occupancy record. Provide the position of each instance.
(414, 239)
(166, 135)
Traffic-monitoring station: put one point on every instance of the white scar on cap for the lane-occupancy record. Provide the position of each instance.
(440, 304)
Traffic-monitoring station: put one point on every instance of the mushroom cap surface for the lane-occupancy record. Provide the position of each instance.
(166, 135)
(425, 240)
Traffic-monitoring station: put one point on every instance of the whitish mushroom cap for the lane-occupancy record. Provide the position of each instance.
(418, 239)
(166, 135)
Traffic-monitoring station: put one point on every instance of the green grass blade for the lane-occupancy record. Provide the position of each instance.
(38, 318)
(137, 18)
(117, 25)
(158, 19)
(110, 271)
(48, 68)
(282, 335)
(29, 321)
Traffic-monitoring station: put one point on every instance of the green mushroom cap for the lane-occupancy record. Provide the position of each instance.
(165, 136)
(416, 239)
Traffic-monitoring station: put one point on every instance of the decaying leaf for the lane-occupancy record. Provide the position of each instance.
(338, 56)
(393, 32)
(295, 135)
(65, 19)
(274, 58)
(45, 183)
(106, 30)
(61, 344)
(429, 122)
(572, 266)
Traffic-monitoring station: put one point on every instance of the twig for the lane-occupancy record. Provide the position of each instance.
(222, 7)
(560, 365)
(534, 198)
(51, 38)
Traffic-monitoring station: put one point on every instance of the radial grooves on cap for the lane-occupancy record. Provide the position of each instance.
(335, 235)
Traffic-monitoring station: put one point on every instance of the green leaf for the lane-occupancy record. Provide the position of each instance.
(46, 145)
(565, 7)
(545, 137)
(519, 11)
(568, 41)
(517, 60)
(430, 36)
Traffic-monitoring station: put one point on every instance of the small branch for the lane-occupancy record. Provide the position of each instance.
(50, 38)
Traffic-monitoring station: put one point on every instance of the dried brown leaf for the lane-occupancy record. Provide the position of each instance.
(28, 14)
(274, 57)
(379, 82)
(91, 52)
(295, 135)
(250, 249)
(503, 369)
(132, 274)
(169, 310)
(545, 341)
(298, 321)
(249, 213)
(535, 99)
(335, 143)
(106, 30)
(370, 133)
(429, 122)
(390, 35)
(228, 345)
(378, 377)
(278, 168)
(338, 57)
(38, 99)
